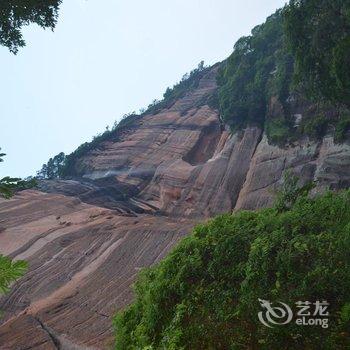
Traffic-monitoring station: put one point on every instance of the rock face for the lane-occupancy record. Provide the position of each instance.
(82, 260)
(86, 238)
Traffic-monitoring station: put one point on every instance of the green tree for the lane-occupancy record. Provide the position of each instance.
(14, 14)
(53, 168)
(318, 32)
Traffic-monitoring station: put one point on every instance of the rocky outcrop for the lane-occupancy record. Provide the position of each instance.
(325, 163)
(82, 260)
(86, 238)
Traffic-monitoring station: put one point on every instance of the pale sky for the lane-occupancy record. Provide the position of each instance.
(104, 59)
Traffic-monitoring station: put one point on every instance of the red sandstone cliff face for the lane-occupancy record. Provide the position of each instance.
(82, 260)
(86, 239)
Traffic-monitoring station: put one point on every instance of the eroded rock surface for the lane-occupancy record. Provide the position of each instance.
(82, 260)
(132, 200)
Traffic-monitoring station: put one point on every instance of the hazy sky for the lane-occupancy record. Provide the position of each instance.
(104, 59)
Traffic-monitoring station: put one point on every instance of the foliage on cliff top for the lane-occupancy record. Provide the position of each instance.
(61, 166)
(204, 294)
(258, 66)
(188, 82)
(318, 33)
(302, 49)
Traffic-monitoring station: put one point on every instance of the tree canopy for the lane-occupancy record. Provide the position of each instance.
(301, 52)
(318, 32)
(53, 168)
(259, 67)
(14, 14)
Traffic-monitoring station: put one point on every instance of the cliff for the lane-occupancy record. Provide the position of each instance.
(133, 197)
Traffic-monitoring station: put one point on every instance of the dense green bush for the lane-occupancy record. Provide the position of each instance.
(204, 295)
(277, 130)
(316, 126)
